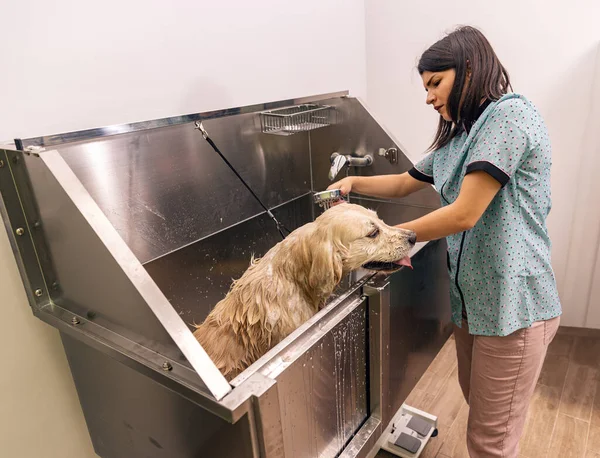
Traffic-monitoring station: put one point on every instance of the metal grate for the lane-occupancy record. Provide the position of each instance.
(300, 118)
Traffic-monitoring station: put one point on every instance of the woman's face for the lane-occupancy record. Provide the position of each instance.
(438, 86)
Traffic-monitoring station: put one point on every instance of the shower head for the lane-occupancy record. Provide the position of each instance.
(326, 199)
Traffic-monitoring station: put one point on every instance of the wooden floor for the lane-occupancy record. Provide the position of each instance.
(564, 415)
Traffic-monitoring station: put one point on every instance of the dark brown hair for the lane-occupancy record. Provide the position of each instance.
(466, 49)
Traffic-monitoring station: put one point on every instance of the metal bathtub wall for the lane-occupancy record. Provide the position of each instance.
(130, 415)
(328, 389)
(323, 389)
(165, 188)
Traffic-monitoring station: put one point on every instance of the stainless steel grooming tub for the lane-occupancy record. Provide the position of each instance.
(127, 235)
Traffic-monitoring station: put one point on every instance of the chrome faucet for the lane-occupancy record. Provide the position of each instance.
(338, 162)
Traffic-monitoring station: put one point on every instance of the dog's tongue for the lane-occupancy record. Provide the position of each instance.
(405, 262)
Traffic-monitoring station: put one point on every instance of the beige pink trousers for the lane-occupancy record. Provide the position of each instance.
(498, 376)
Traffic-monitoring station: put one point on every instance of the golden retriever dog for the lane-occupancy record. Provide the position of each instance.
(294, 279)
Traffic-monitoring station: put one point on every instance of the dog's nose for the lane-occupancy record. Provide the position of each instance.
(412, 238)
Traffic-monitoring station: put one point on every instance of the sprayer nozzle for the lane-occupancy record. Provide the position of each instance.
(326, 199)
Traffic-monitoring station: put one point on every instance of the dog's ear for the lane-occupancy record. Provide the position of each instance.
(324, 254)
(315, 261)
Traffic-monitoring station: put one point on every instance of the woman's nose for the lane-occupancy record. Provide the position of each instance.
(429, 98)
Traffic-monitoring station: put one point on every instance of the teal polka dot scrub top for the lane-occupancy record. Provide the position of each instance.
(502, 278)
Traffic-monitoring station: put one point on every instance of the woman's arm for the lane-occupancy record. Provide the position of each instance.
(384, 186)
(476, 193)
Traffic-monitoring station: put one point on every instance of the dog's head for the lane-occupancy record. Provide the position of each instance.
(364, 240)
(343, 239)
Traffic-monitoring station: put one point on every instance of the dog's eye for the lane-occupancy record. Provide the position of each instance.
(374, 233)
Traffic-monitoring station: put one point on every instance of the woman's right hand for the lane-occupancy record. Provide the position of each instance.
(344, 185)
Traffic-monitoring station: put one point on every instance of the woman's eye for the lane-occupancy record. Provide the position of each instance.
(436, 84)
(374, 233)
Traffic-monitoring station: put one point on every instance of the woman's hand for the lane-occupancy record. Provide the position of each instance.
(344, 185)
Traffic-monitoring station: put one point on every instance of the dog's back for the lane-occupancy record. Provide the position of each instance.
(228, 345)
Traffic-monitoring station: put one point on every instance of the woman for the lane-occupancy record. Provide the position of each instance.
(490, 162)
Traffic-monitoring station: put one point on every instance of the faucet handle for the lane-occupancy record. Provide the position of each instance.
(391, 154)
(338, 161)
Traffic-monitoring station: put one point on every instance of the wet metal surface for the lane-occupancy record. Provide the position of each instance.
(165, 188)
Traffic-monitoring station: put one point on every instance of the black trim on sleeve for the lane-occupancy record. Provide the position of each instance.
(417, 175)
(499, 175)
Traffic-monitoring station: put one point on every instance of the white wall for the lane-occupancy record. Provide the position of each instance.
(70, 65)
(41, 416)
(78, 65)
(593, 308)
(581, 293)
(549, 50)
